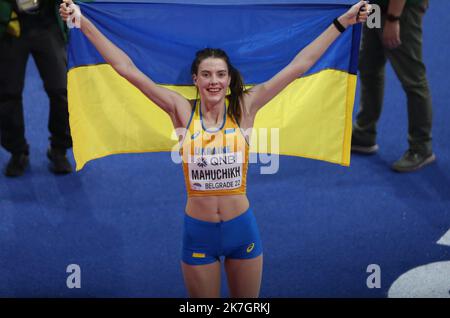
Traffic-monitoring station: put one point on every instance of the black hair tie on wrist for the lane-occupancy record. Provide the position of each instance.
(338, 25)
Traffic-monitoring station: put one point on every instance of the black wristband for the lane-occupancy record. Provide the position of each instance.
(392, 18)
(338, 25)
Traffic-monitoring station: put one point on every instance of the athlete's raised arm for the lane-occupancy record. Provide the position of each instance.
(171, 102)
(261, 94)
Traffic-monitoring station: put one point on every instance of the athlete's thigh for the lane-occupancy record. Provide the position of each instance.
(202, 280)
(244, 276)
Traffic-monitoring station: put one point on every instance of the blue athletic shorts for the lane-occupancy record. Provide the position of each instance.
(205, 242)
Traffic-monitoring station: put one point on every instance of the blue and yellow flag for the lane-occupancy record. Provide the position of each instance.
(313, 114)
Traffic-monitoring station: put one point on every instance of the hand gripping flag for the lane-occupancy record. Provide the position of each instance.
(313, 114)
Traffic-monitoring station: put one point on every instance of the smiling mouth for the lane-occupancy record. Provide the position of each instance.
(213, 90)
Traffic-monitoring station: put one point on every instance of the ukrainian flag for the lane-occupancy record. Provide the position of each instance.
(109, 116)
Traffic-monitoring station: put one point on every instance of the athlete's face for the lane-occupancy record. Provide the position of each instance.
(212, 80)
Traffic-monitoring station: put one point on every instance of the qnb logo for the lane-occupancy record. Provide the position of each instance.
(74, 279)
(201, 162)
(223, 160)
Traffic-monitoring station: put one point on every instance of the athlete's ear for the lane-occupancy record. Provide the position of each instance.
(194, 79)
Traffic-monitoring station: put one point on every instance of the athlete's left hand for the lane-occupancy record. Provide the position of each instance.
(356, 14)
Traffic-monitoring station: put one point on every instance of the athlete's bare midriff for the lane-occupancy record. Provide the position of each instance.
(217, 208)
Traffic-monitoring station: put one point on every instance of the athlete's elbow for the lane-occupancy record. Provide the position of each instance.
(298, 69)
(125, 70)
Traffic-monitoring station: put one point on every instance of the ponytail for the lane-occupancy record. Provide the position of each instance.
(237, 91)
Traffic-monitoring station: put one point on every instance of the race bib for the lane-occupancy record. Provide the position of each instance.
(215, 171)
